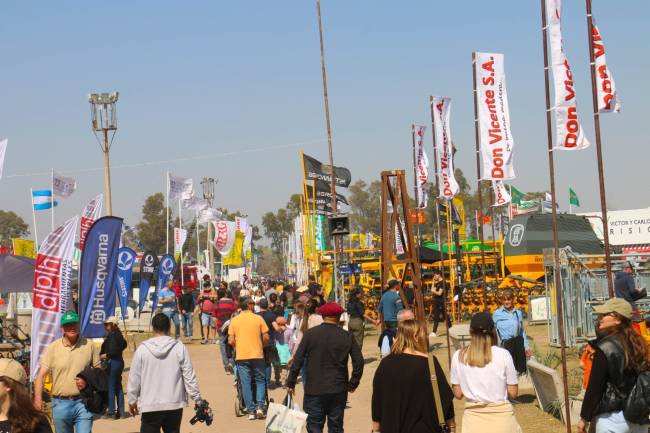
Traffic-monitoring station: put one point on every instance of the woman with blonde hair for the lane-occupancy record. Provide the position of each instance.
(402, 394)
(485, 375)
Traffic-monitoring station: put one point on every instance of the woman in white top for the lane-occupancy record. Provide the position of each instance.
(485, 375)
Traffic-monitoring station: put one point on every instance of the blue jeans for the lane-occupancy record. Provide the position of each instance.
(115, 369)
(225, 352)
(614, 422)
(186, 319)
(71, 416)
(247, 371)
(320, 407)
(173, 316)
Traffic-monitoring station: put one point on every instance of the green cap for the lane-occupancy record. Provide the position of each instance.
(615, 305)
(69, 317)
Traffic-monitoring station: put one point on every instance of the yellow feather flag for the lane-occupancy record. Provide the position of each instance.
(24, 248)
(234, 257)
(460, 207)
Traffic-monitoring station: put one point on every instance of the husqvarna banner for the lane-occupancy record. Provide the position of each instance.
(444, 148)
(421, 166)
(51, 296)
(605, 88)
(495, 138)
(97, 275)
(166, 270)
(569, 133)
(125, 262)
(148, 267)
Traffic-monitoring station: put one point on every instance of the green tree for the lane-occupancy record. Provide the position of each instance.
(151, 230)
(11, 226)
(365, 206)
(269, 262)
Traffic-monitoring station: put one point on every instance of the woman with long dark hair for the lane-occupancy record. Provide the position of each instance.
(402, 394)
(17, 412)
(621, 354)
(357, 313)
(111, 353)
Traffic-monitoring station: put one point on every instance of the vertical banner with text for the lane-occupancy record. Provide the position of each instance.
(495, 138)
(148, 267)
(165, 272)
(444, 147)
(97, 275)
(52, 281)
(125, 262)
(90, 214)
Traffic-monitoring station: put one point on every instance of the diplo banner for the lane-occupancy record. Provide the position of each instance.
(148, 267)
(422, 167)
(97, 275)
(569, 133)
(165, 272)
(493, 117)
(90, 214)
(125, 262)
(444, 148)
(605, 87)
(51, 296)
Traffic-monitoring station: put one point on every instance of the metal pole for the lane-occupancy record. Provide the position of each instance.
(556, 244)
(599, 151)
(445, 294)
(167, 214)
(31, 190)
(335, 282)
(52, 197)
(107, 175)
(478, 179)
(495, 255)
(180, 234)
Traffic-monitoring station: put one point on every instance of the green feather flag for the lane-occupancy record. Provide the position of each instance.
(573, 198)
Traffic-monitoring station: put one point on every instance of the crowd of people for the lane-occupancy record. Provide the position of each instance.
(274, 335)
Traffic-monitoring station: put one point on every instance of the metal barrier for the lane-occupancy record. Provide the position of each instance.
(584, 285)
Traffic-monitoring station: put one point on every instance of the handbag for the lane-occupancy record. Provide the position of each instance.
(437, 401)
(285, 418)
(637, 405)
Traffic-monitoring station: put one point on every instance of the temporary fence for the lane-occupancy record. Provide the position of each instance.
(584, 286)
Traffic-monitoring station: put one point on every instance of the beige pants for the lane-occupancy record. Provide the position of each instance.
(499, 416)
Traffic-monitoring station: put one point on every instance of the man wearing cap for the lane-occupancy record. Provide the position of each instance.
(64, 358)
(390, 304)
(625, 286)
(248, 334)
(326, 349)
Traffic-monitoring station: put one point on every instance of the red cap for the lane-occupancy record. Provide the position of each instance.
(331, 309)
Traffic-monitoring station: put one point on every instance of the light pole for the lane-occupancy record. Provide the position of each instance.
(103, 111)
(208, 194)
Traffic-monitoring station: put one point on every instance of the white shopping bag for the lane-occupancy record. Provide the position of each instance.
(285, 419)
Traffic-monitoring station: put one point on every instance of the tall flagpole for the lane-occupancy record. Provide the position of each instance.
(478, 180)
(599, 151)
(198, 239)
(335, 281)
(34, 218)
(52, 198)
(180, 234)
(445, 294)
(559, 299)
(167, 212)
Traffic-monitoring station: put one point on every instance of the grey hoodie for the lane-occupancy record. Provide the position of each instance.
(162, 376)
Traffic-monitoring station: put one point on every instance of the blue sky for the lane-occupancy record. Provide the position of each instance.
(237, 85)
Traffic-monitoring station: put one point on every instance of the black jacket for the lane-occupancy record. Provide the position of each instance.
(113, 345)
(95, 394)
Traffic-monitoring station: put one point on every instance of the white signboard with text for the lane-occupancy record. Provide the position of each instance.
(626, 227)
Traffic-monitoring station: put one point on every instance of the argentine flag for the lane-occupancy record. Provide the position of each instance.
(42, 199)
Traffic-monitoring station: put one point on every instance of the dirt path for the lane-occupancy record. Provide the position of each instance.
(217, 388)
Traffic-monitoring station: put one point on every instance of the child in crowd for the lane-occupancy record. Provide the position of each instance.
(282, 337)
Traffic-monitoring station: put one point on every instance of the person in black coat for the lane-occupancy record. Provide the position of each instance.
(93, 387)
(111, 355)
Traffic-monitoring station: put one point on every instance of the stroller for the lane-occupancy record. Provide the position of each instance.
(240, 405)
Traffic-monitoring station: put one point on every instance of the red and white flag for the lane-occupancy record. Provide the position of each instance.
(495, 138)
(90, 214)
(501, 194)
(569, 132)
(421, 167)
(224, 238)
(605, 88)
(52, 282)
(444, 147)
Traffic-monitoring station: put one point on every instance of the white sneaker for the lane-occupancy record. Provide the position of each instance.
(433, 334)
(252, 417)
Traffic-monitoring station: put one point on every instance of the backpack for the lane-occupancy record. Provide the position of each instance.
(637, 405)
